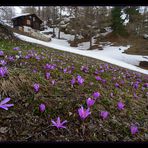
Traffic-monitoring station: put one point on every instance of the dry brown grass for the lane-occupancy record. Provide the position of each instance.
(12, 85)
(139, 46)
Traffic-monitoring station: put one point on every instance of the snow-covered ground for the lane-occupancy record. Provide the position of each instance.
(110, 54)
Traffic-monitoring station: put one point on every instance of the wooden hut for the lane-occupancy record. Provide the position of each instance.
(27, 19)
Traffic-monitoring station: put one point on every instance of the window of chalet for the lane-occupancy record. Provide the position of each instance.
(33, 18)
(28, 22)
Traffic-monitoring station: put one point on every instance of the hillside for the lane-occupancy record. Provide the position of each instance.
(66, 80)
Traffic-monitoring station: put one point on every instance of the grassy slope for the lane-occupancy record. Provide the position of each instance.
(25, 122)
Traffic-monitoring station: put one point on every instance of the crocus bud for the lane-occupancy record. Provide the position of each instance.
(42, 107)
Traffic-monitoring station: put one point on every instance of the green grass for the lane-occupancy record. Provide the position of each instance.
(26, 123)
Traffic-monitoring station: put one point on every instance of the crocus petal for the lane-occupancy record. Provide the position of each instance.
(62, 126)
(5, 101)
(3, 107)
(58, 121)
(8, 105)
(54, 123)
(64, 122)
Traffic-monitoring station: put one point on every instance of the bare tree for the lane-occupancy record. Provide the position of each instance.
(29, 9)
(6, 13)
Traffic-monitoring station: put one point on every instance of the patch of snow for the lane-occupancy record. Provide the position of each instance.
(63, 26)
(63, 35)
(5, 22)
(24, 14)
(27, 28)
(123, 17)
(145, 36)
(83, 46)
(104, 34)
(62, 23)
(47, 30)
(108, 29)
(125, 22)
(142, 9)
(110, 54)
(66, 20)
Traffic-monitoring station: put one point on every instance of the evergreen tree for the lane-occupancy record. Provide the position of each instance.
(117, 22)
(135, 20)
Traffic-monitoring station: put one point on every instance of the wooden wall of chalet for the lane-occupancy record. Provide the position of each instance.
(29, 20)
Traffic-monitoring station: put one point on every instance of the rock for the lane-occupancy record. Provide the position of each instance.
(145, 36)
(100, 48)
(5, 32)
(3, 130)
(143, 64)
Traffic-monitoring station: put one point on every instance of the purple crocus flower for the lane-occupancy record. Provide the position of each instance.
(90, 102)
(145, 85)
(135, 96)
(27, 56)
(58, 123)
(135, 85)
(98, 78)
(73, 81)
(134, 129)
(102, 70)
(10, 58)
(65, 70)
(104, 114)
(48, 66)
(1, 53)
(96, 72)
(80, 80)
(34, 70)
(111, 94)
(53, 67)
(96, 95)
(83, 113)
(72, 67)
(37, 57)
(103, 81)
(47, 75)
(42, 107)
(16, 48)
(3, 62)
(3, 104)
(143, 88)
(116, 85)
(114, 78)
(3, 71)
(84, 69)
(122, 82)
(36, 87)
(120, 105)
(70, 71)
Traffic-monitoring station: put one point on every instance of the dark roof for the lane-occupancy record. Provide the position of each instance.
(25, 14)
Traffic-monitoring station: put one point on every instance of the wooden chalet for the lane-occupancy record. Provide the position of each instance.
(27, 19)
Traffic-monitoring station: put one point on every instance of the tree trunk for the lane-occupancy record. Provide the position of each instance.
(90, 42)
(59, 33)
(54, 32)
(59, 25)
(39, 11)
(75, 25)
(90, 38)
